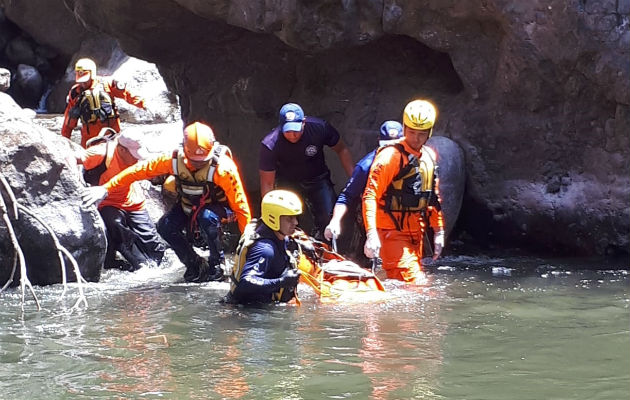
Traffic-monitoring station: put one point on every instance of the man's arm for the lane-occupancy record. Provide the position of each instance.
(381, 174)
(333, 229)
(119, 89)
(160, 165)
(70, 115)
(344, 156)
(267, 179)
(350, 193)
(229, 179)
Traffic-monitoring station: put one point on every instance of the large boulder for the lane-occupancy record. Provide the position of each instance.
(452, 175)
(44, 179)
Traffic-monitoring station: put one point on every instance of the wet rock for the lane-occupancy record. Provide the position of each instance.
(5, 79)
(20, 51)
(42, 174)
(50, 23)
(28, 85)
(144, 79)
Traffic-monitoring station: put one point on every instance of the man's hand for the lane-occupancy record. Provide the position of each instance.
(93, 195)
(438, 244)
(333, 229)
(290, 277)
(372, 246)
(145, 185)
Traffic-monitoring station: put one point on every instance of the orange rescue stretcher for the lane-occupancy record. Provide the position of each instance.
(334, 278)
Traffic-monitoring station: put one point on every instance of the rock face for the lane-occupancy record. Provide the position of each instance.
(536, 93)
(32, 161)
(28, 85)
(5, 79)
(452, 174)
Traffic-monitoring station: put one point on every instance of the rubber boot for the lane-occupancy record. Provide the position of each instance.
(192, 269)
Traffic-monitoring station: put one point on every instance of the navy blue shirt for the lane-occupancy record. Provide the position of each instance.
(301, 161)
(265, 261)
(356, 184)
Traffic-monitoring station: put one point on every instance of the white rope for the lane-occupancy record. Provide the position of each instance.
(24, 281)
(61, 251)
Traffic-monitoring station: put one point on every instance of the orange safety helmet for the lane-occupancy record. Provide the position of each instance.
(84, 70)
(198, 141)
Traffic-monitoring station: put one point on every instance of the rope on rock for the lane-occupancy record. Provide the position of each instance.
(24, 281)
(61, 251)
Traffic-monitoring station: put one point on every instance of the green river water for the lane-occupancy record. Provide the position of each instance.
(542, 329)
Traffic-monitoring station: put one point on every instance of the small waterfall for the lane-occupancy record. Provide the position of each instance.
(41, 106)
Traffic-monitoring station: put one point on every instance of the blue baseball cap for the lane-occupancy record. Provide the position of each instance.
(390, 130)
(291, 117)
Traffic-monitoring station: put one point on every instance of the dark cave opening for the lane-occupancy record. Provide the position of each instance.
(34, 67)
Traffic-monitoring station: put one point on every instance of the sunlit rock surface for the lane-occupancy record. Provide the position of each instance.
(35, 162)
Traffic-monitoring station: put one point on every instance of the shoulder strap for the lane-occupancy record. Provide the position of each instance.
(174, 162)
(403, 170)
(109, 154)
(217, 151)
(105, 134)
(248, 238)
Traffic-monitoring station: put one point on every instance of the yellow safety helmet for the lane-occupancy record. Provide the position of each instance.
(420, 114)
(198, 141)
(84, 69)
(277, 203)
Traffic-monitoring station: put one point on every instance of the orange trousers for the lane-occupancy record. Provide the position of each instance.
(401, 253)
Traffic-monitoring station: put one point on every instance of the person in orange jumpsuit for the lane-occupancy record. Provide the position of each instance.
(129, 227)
(91, 100)
(210, 193)
(401, 194)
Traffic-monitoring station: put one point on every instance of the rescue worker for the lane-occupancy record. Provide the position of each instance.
(266, 269)
(402, 192)
(350, 196)
(292, 157)
(91, 100)
(129, 227)
(210, 193)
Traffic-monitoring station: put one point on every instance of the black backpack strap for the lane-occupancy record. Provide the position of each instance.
(402, 171)
(93, 175)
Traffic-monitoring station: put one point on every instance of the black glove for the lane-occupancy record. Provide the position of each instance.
(290, 278)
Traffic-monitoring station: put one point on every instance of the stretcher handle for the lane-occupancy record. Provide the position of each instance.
(377, 263)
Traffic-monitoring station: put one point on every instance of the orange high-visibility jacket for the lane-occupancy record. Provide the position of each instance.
(72, 114)
(226, 176)
(128, 198)
(385, 167)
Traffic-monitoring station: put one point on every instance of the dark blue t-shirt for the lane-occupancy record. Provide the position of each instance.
(356, 184)
(301, 161)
